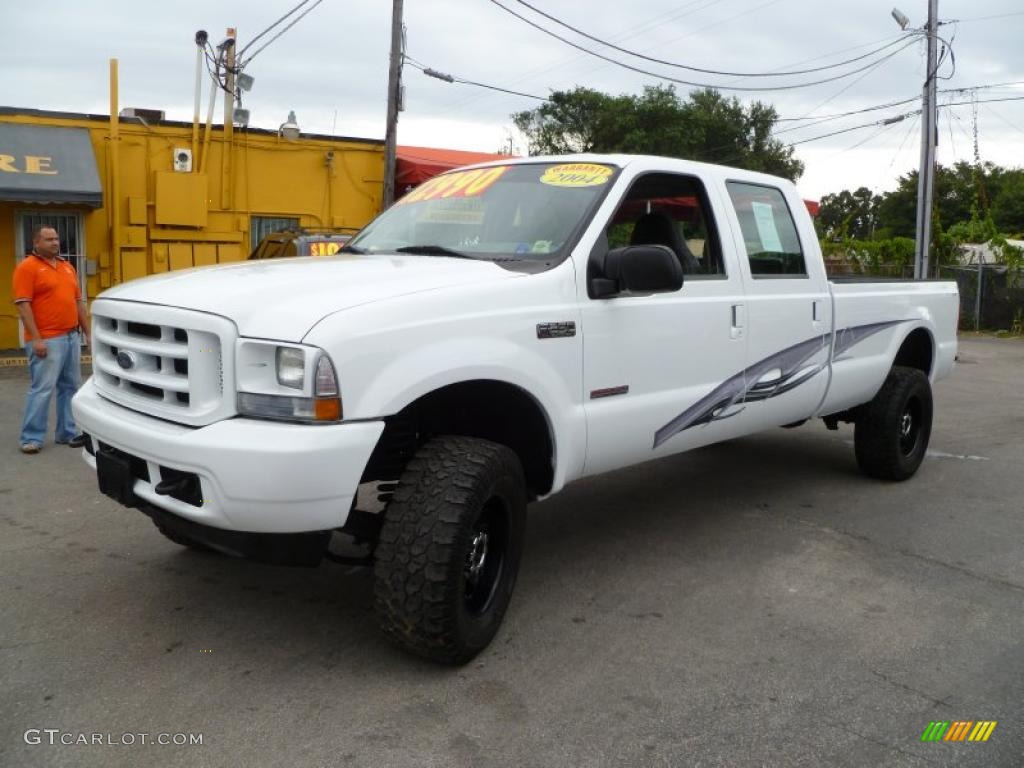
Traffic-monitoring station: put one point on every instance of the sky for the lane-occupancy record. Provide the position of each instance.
(331, 68)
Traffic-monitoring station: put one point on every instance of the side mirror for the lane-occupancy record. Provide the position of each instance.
(638, 269)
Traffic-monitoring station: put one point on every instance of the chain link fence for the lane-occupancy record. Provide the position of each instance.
(997, 306)
(991, 296)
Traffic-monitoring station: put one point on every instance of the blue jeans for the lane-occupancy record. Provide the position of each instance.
(61, 369)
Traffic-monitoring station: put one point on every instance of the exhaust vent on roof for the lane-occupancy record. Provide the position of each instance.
(149, 115)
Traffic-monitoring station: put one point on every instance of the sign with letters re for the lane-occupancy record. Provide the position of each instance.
(45, 164)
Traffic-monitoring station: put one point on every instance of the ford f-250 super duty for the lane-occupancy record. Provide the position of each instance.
(501, 331)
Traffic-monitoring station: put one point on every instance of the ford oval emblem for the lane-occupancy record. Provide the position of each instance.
(126, 360)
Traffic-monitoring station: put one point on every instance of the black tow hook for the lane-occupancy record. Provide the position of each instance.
(176, 485)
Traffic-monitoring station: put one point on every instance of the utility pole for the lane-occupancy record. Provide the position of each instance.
(926, 174)
(394, 99)
(227, 183)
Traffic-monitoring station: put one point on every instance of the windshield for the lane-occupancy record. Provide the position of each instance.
(506, 211)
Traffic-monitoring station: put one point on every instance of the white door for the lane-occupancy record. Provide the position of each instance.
(787, 307)
(661, 371)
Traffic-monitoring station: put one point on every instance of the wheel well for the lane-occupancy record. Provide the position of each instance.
(490, 410)
(916, 351)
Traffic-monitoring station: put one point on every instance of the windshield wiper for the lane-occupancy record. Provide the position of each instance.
(433, 250)
(352, 249)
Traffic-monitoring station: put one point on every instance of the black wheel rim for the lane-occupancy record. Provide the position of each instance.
(485, 556)
(910, 427)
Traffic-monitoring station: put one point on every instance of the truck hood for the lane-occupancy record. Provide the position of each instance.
(283, 298)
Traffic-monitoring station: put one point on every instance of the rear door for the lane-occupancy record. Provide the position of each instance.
(788, 305)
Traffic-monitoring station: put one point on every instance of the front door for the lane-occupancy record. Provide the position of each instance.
(661, 371)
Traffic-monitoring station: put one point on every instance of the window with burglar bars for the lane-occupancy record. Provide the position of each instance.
(69, 228)
(261, 226)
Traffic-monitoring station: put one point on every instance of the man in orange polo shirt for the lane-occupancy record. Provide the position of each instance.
(52, 309)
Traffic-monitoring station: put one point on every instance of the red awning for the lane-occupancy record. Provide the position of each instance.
(414, 165)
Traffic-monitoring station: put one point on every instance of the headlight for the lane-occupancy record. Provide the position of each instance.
(286, 382)
(291, 363)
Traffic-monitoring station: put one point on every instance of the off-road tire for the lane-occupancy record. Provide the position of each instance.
(183, 541)
(456, 495)
(892, 431)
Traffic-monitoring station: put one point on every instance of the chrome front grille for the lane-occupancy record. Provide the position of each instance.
(162, 361)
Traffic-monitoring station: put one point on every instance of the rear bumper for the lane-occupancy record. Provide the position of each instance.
(255, 476)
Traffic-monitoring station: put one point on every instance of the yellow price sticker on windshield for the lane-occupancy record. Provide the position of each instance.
(324, 248)
(576, 175)
(458, 184)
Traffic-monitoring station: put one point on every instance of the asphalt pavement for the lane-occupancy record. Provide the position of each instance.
(756, 603)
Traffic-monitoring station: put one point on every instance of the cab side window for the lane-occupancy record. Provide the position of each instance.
(672, 210)
(769, 233)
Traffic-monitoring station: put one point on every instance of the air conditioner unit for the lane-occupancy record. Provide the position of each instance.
(183, 159)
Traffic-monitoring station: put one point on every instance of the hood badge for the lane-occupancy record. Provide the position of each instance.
(127, 360)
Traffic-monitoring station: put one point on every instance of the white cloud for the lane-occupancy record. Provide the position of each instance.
(331, 68)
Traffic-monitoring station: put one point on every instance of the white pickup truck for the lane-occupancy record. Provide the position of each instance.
(501, 331)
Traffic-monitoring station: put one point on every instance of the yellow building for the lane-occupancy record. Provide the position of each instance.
(141, 195)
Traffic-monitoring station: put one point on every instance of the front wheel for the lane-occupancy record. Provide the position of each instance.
(449, 548)
(892, 431)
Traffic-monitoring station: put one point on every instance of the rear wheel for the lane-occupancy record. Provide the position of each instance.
(892, 431)
(449, 549)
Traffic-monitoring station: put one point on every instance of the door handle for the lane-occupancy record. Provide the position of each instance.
(816, 311)
(739, 321)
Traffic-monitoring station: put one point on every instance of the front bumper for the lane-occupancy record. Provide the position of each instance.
(255, 476)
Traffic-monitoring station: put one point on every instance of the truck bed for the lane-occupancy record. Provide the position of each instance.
(887, 306)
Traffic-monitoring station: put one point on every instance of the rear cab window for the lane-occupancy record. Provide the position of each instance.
(769, 232)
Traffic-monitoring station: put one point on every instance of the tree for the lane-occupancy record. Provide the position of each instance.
(963, 193)
(707, 127)
(956, 199)
(848, 214)
(1008, 202)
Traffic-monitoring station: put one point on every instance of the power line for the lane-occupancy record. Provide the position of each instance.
(985, 101)
(949, 123)
(828, 118)
(691, 68)
(843, 90)
(895, 119)
(294, 21)
(1012, 125)
(689, 82)
(884, 127)
(985, 18)
(265, 31)
(913, 125)
(627, 34)
(453, 79)
(823, 118)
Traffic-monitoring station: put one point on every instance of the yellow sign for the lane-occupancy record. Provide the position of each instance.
(324, 248)
(576, 175)
(458, 184)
